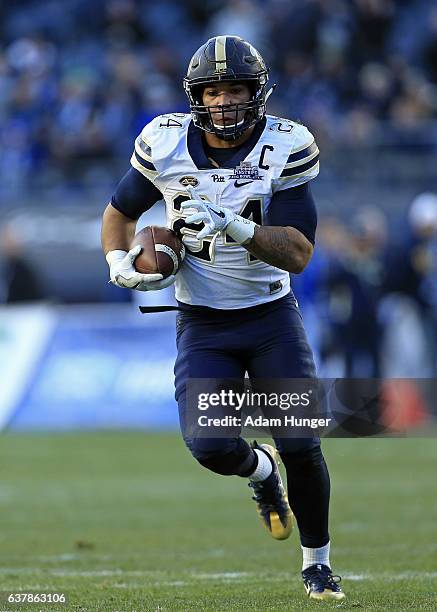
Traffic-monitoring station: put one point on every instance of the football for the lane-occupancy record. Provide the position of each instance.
(163, 251)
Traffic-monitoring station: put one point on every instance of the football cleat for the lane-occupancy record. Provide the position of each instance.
(320, 583)
(271, 499)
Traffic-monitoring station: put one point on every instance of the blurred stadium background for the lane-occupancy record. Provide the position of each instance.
(126, 519)
(79, 79)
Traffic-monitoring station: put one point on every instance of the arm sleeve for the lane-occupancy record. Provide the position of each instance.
(296, 208)
(135, 194)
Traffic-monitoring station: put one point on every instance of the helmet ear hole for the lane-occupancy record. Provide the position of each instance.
(253, 87)
(197, 93)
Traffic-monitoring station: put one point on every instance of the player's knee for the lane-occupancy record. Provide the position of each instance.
(222, 455)
(204, 448)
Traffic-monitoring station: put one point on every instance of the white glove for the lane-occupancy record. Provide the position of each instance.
(217, 219)
(123, 273)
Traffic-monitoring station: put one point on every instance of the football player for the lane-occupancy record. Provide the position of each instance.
(235, 182)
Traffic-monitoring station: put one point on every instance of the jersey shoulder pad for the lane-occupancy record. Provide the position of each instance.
(163, 126)
(302, 164)
(156, 141)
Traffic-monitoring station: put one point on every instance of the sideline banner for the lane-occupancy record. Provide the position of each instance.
(25, 332)
(101, 367)
(107, 367)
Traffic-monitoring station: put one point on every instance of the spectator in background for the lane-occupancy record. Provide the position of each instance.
(242, 18)
(18, 280)
(412, 268)
(429, 56)
(76, 84)
(352, 286)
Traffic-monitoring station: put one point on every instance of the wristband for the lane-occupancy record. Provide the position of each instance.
(240, 229)
(113, 256)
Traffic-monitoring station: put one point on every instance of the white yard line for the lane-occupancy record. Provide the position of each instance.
(153, 576)
(222, 575)
(104, 572)
(19, 570)
(141, 585)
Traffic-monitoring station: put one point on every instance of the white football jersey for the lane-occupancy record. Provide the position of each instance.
(216, 272)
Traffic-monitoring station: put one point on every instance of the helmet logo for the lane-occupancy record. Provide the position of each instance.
(193, 63)
(256, 54)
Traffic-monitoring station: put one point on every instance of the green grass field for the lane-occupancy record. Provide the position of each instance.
(126, 521)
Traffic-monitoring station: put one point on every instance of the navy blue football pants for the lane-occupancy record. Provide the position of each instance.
(266, 341)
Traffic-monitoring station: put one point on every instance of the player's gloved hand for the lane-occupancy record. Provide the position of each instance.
(217, 219)
(123, 273)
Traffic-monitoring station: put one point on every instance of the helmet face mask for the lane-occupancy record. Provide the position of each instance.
(226, 59)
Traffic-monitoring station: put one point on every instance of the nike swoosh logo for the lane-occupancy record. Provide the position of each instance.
(237, 184)
(219, 214)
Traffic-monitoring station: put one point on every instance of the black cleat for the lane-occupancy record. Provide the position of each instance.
(320, 583)
(271, 499)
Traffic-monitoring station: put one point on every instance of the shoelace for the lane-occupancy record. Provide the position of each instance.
(325, 576)
(270, 497)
